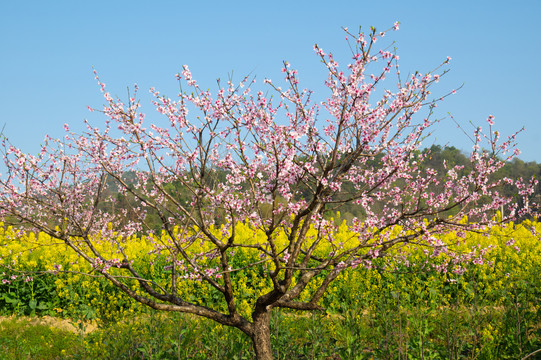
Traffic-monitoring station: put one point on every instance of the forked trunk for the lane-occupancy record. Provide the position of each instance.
(261, 336)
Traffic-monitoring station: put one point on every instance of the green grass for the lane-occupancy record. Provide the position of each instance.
(390, 333)
(20, 339)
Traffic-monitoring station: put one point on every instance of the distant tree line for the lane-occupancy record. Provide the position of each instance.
(437, 157)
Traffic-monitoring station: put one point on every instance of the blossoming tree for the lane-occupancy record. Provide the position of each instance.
(285, 160)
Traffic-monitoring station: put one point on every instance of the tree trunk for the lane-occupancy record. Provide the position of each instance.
(261, 336)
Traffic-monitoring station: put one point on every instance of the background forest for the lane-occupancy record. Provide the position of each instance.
(438, 155)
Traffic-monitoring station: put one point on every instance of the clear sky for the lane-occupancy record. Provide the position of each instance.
(48, 49)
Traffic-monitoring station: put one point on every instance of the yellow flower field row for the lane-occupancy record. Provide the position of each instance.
(509, 267)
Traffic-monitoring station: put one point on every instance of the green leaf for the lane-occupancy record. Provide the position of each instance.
(10, 300)
(43, 306)
(33, 303)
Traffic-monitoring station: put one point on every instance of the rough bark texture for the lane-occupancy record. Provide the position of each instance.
(261, 336)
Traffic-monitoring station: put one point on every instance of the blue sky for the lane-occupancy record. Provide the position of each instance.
(48, 49)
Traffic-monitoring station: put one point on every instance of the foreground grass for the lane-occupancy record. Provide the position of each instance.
(463, 333)
(143, 337)
(24, 339)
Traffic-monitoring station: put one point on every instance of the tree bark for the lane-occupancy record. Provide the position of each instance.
(261, 335)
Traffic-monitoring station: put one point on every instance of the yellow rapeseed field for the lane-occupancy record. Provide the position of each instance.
(512, 259)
